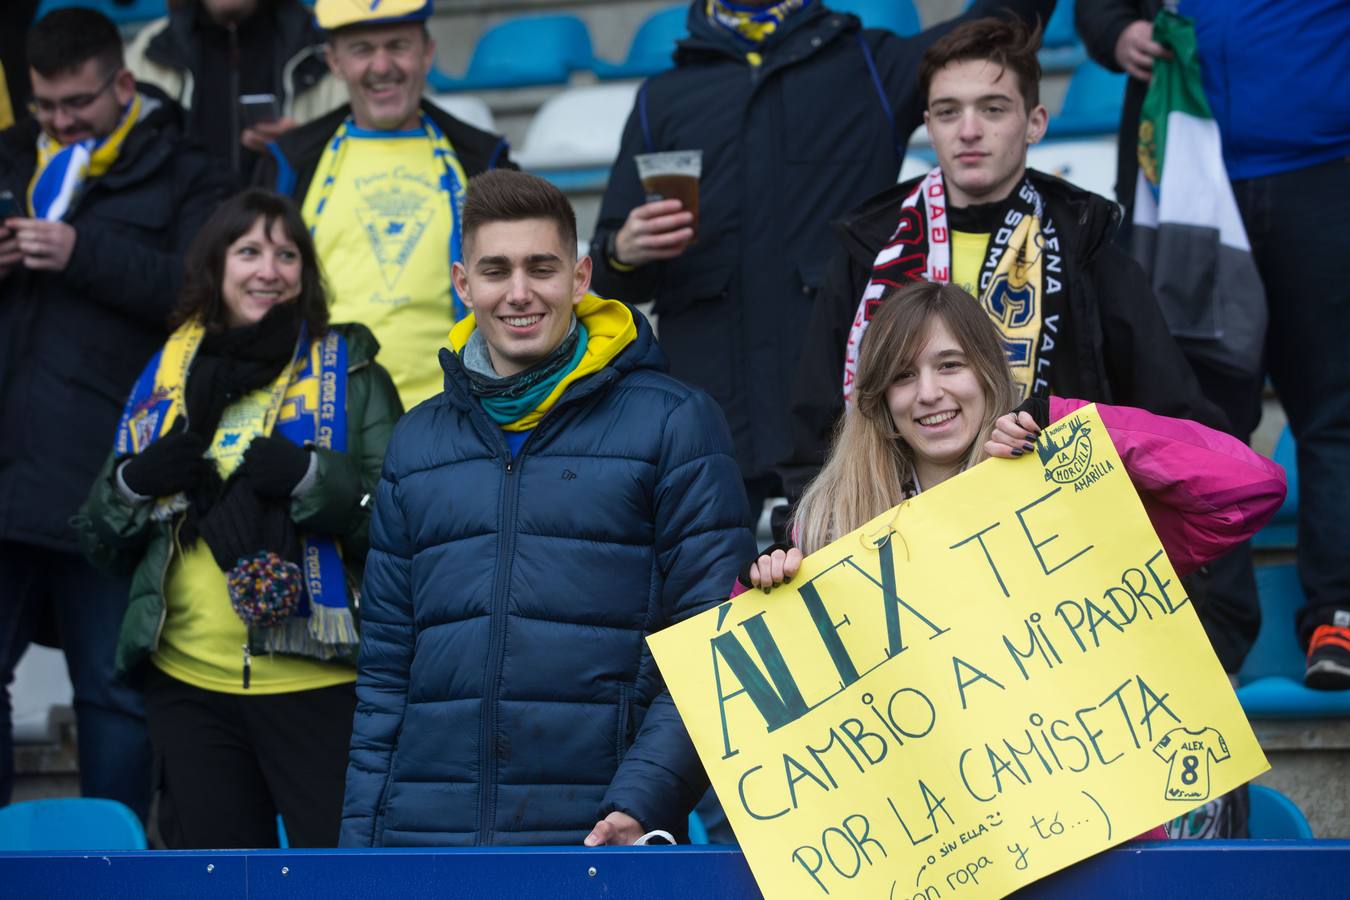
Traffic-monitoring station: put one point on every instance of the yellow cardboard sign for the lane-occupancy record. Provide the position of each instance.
(993, 680)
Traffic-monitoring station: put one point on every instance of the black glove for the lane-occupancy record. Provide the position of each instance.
(744, 575)
(1039, 407)
(274, 466)
(171, 464)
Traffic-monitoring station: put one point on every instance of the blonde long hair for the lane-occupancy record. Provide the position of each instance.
(869, 463)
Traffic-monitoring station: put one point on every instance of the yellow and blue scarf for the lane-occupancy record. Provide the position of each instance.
(62, 168)
(453, 182)
(309, 408)
(751, 25)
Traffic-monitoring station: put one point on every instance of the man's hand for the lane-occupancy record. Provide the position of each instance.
(654, 231)
(1136, 50)
(10, 255)
(616, 830)
(45, 246)
(263, 133)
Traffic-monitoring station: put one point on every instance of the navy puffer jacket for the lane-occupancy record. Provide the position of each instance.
(505, 691)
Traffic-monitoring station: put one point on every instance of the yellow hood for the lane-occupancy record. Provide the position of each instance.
(609, 329)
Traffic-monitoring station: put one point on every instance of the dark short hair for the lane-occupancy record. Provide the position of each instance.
(504, 195)
(67, 38)
(204, 262)
(1005, 42)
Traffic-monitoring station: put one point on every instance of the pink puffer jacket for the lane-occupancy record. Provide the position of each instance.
(1203, 490)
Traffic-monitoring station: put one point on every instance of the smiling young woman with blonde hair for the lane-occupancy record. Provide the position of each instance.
(872, 466)
(932, 399)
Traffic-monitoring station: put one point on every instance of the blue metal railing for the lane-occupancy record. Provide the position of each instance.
(1231, 870)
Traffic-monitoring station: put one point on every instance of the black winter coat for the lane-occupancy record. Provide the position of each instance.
(72, 342)
(1113, 345)
(788, 147)
(289, 166)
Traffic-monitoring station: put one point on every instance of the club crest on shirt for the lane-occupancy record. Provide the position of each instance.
(394, 213)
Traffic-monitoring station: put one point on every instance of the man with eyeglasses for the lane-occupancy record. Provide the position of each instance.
(100, 196)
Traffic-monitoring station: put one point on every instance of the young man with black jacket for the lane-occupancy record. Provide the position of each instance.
(381, 185)
(1076, 313)
(104, 195)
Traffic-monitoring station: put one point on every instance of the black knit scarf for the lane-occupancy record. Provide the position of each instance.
(230, 516)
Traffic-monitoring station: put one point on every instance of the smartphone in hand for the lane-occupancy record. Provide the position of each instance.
(256, 108)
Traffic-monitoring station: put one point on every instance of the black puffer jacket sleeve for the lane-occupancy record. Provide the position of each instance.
(622, 196)
(817, 389)
(1100, 22)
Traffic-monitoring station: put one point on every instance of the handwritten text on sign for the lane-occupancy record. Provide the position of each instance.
(982, 686)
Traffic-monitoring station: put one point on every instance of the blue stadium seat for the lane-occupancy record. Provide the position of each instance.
(1061, 50)
(898, 16)
(135, 12)
(1275, 817)
(652, 46)
(1281, 533)
(1271, 678)
(1092, 104)
(530, 50)
(70, 823)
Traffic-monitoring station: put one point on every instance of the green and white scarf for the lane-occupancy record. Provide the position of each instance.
(1188, 234)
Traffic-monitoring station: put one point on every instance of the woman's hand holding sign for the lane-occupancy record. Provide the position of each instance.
(773, 569)
(1013, 435)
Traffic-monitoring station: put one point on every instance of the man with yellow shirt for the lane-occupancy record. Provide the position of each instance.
(381, 185)
(1076, 314)
(561, 499)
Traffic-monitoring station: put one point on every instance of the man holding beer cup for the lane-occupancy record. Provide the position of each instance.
(777, 118)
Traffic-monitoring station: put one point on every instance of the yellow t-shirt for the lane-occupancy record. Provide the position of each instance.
(384, 239)
(967, 260)
(1020, 338)
(202, 643)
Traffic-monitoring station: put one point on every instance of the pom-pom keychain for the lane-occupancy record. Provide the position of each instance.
(264, 588)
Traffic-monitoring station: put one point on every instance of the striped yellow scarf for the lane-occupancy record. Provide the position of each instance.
(752, 24)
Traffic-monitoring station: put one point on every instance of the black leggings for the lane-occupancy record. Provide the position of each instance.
(228, 763)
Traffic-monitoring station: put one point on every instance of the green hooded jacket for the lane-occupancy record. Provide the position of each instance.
(118, 535)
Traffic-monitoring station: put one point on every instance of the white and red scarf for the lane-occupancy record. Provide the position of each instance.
(1021, 283)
